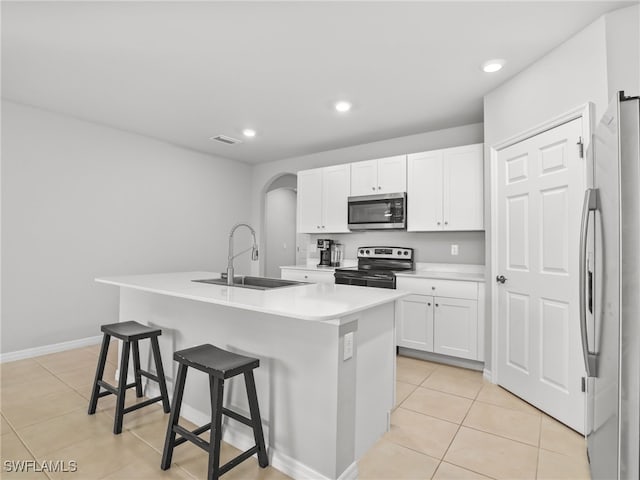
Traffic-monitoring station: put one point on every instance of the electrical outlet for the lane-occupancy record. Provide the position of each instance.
(454, 249)
(348, 346)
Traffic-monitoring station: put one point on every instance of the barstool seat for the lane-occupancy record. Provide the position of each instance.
(130, 333)
(219, 364)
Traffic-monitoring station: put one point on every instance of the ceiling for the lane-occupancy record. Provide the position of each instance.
(185, 71)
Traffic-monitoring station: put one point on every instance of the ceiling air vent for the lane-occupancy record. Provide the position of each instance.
(226, 140)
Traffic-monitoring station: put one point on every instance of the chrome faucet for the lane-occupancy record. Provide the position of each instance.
(253, 248)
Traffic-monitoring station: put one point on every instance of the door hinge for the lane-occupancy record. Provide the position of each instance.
(584, 384)
(580, 147)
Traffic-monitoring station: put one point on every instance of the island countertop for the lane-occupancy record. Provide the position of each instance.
(313, 301)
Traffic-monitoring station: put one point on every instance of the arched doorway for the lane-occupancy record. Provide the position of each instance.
(279, 226)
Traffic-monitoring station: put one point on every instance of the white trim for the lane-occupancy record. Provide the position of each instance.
(487, 375)
(53, 348)
(584, 111)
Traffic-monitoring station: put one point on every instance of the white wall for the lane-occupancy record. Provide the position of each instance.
(430, 244)
(589, 67)
(280, 230)
(81, 200)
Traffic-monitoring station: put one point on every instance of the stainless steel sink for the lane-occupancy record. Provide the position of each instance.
(257, 283)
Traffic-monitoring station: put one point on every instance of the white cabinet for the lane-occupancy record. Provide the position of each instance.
(384, 175)
(322, 199)
(455, 327)
(310, 275)
(415, 325)
(441, 316)
(445, 189)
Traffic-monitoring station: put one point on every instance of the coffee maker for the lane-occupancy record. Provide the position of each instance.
(324, 247)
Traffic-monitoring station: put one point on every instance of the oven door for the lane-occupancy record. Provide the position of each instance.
(373, 212)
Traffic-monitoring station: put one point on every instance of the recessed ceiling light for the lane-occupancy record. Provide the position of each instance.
(491, 66)
(248, 132)
(342, 106)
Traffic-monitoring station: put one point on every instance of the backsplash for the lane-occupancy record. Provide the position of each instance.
(429, 247)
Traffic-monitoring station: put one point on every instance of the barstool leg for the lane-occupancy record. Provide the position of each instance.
(263, 459)
(122, 388)
(136, 368)
(216, 386)
(169, 442)
(160, 373)
(102, 360)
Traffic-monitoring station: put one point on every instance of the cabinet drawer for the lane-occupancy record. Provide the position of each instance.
(307, 276)
(440, 288)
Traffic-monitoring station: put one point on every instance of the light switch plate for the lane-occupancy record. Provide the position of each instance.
(348, 346)
(454, 249)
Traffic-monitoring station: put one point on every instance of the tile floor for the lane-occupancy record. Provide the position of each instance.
(448, 424)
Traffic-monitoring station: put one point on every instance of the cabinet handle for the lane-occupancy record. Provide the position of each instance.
(428, 304)
(317, 226)
(379, 188)
(433, 288)
(322, 226)
(438, 223)
(446, 223)
(373, 188)
(437, 305)
(306, 276)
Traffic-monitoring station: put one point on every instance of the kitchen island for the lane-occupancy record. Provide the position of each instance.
(323, 402)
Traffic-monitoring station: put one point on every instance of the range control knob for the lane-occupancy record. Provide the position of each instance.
(406, 252)
(367, 252)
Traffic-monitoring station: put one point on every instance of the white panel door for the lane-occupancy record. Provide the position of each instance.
(424, 191)
(541, 182)
(309, 201)
(455, 327)
(364, 178)
(335, 190)
(415, 322)
(392, 174)
(463, 179)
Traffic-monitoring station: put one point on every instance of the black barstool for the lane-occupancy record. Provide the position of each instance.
(219, 365)
(130, 333)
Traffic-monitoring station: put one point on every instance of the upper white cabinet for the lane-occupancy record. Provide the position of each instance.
(384, 175)
(322, 199)
(445, 189)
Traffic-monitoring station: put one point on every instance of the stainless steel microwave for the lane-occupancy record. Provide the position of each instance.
(373, 212)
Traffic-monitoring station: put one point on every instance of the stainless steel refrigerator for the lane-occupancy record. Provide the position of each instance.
(610, 293)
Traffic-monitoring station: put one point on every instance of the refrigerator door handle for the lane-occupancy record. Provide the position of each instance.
(590, 205)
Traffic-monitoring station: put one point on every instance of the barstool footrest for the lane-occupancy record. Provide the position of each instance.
(236, 416)
(142, 404)
(237, 460)
(192, 436)
(149, 375)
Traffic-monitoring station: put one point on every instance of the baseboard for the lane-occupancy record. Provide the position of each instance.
(439, 358)
(487, 375)
(46, 349)
(241, 437)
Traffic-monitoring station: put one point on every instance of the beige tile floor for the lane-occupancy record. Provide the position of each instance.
(448, 424)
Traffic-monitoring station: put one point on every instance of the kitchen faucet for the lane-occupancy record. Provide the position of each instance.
(253, 248)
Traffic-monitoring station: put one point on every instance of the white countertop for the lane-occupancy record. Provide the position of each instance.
(461, 276)
(313, 301)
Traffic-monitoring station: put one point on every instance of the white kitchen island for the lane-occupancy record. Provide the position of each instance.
(321, 408)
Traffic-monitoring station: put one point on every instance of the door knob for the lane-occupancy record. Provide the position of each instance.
(501, 279)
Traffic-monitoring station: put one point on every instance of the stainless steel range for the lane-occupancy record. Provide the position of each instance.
(377, 267)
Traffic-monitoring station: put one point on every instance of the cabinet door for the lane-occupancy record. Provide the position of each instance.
(364, 177)
(415, 322)
(424, 191)
(392, 174)
(335, 190)
(464, 188)
(455, 327)
(309, 201)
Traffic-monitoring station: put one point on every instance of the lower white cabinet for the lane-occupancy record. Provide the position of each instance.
(415, 328)
(310, 275)
(455, 327)
(441, 324)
